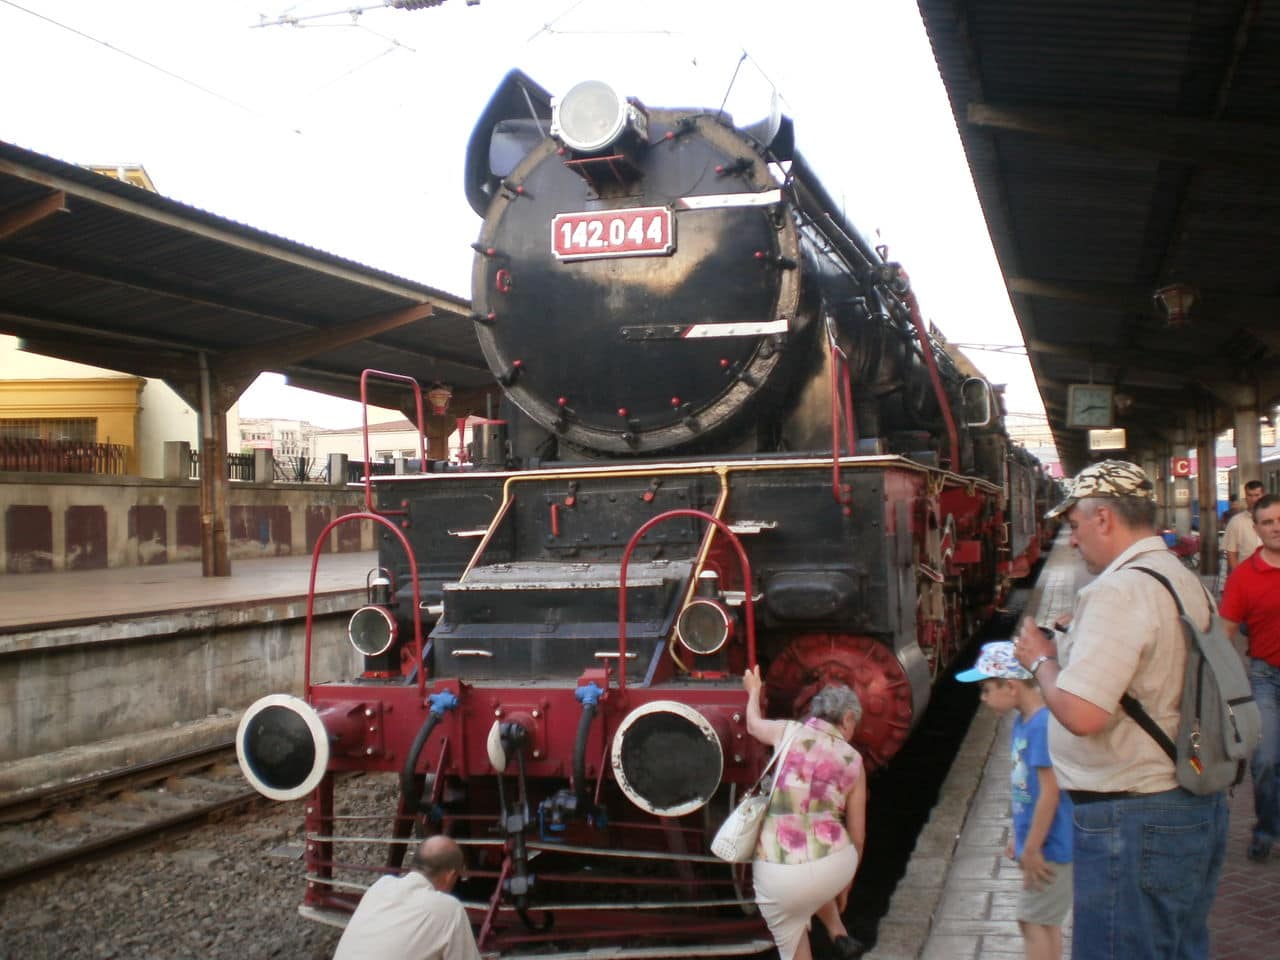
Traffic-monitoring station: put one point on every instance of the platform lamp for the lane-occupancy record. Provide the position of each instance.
(1175, 302)
(439, 397)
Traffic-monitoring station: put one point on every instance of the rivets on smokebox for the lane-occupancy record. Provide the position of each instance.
(508, 378)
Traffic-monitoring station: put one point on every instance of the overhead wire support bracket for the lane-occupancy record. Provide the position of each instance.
(286, 20)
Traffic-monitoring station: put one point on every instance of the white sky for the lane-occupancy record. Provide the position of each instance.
(350, 137)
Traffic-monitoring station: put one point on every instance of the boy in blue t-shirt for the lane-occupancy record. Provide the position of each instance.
(1041, 841)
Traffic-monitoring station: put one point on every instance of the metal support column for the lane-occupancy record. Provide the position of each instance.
(215, 553)
(1178, 516)
(1207, 493)
(1248, 447)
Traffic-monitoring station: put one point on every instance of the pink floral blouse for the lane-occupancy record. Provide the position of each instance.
(806, 814)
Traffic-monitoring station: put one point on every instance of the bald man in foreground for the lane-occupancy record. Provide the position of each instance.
(413, 917)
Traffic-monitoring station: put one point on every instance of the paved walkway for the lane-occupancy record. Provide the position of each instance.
(974, 918)
(38, 600)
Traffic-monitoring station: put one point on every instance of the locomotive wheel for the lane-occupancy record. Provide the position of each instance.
(811, 661)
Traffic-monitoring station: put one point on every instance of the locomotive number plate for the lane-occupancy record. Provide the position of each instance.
(635, 232)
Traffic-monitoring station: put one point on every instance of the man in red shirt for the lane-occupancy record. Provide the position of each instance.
(1252, 597)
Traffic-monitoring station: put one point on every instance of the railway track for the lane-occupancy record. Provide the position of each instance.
(46, 830)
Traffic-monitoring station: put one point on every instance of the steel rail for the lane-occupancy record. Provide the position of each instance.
(141, 835)
(34, 804)
(29, 804)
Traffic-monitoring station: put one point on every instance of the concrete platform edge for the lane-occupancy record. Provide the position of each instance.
(904, 930)
(81, 632)
(74, 763)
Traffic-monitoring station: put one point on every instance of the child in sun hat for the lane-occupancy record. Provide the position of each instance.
(1041, 841)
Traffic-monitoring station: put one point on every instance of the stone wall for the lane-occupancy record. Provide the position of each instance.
(65, 687)
(53, 521)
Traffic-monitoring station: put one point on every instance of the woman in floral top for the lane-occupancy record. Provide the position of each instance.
(815, 830)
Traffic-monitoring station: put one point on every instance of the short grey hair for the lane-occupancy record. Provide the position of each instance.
(437, 855)
(1138, 513)
(832, 702)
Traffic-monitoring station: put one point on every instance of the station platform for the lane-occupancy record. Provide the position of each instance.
(959, 896)
(40, 601)
(102, 669)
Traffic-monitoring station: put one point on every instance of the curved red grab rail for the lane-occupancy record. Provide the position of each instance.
(364, 407)
(622, 584)
(413, 573)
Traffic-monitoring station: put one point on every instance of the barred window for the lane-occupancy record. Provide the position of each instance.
(80, 430)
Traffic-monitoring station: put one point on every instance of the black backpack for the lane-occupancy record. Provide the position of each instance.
(1220, 723)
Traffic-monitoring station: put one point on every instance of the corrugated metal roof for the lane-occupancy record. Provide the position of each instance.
(132, 280)
(1118, 146)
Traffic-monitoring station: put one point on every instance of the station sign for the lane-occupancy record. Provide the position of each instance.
(1108, 439)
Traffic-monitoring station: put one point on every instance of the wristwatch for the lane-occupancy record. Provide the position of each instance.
(1038, 662)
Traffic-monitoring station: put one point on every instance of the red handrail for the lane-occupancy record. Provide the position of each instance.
(926, 347)
(622, 584)
(841, 403)
(364, 410)
(413, 573)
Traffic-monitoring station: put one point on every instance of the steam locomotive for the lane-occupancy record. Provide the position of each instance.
(726, 438)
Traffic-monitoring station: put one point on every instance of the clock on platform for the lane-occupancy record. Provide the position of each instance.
(1090, 405)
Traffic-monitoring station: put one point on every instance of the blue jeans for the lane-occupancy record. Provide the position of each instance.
(1265, 766)
(1146, 871)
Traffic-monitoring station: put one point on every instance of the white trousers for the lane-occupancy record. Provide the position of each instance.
(789, 894)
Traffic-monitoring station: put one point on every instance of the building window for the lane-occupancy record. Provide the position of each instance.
(80, 430)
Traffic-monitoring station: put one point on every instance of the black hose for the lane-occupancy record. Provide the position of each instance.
(413, 802)
(580, 755)
(548, 920)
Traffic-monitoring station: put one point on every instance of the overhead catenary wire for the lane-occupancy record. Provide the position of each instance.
(202, 88)
(546, 27)
(135, 57)
(360, 66)
(1018, 349)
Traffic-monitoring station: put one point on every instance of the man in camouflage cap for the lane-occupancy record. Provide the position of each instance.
(1143, 888)
(1108, 478)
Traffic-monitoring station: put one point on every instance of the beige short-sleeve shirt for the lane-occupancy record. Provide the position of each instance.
(1125, 636)
(408, 919)
(1241, 538)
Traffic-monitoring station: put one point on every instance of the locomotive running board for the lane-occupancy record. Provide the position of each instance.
(647, 953)
(335, 918)
(480, 906)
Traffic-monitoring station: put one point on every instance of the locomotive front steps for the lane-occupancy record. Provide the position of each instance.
(499, 617)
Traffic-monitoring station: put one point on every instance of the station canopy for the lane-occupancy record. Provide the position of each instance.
(101, 272)
(1126, 154)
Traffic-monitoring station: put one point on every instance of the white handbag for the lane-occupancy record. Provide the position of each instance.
(735, 841)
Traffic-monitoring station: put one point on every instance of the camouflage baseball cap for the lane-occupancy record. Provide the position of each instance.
(1107, 478)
